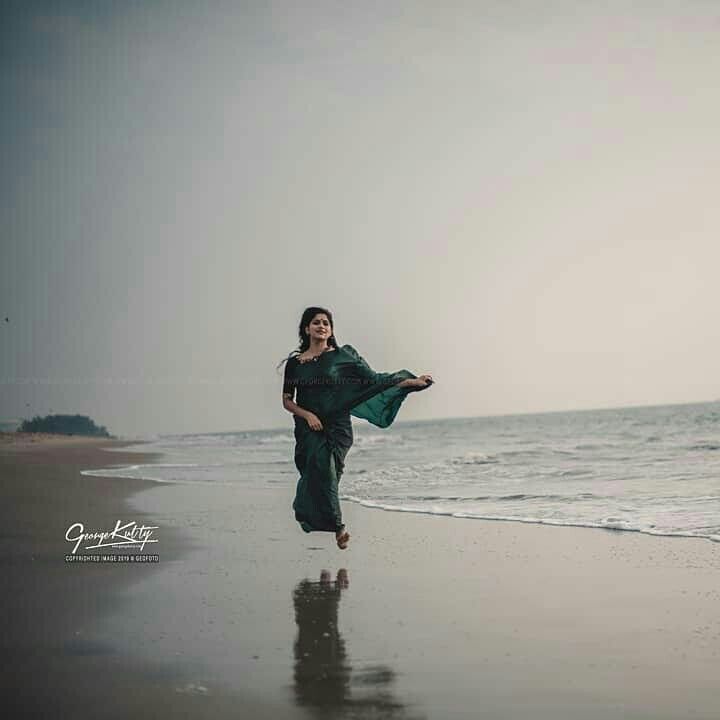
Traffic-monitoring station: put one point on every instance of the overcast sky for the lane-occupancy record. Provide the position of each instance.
(520, 198)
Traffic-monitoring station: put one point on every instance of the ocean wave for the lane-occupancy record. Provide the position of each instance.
(708, 418)
(196, 440)
(501, 498)
(615, 524)
(595, 446)
(139, 472)
(274, 439)
(473, 458)
(574, 472)
(531, 452)
(369, 441)
(155, 465)
(450, 498)
(443, 468)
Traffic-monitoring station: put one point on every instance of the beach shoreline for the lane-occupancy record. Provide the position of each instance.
(423, 616)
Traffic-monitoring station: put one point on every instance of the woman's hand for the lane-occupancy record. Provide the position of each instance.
(313, 421)
(420, 382)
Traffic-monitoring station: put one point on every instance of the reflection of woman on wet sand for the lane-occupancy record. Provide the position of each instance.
(323, 677)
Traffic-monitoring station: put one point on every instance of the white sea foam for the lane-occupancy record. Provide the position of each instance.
(473, 458)
(274, 439)
(149, 472)
(372, 441)
(606, 525)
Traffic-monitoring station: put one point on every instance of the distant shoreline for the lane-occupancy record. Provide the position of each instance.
(26, 438)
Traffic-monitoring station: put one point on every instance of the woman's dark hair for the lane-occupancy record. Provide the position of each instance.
(307, 316)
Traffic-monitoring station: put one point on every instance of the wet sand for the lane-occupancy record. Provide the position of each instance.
(422, 617)
(51, 611)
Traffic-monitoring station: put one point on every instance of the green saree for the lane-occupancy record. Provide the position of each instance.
(334, 386)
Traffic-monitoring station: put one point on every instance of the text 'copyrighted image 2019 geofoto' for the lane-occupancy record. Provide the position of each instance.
(112, 545)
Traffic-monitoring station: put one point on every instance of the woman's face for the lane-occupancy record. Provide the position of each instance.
(319, 328)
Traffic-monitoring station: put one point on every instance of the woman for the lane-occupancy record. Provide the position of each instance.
(332, 383)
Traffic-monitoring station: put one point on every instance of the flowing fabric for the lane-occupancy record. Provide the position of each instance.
(338, 384)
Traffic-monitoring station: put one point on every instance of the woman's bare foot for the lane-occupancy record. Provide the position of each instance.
(342, 537)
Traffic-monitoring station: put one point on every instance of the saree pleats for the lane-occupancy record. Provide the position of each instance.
(320, 460)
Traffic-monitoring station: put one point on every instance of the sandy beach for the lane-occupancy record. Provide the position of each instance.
(422, 617)
(52, 611)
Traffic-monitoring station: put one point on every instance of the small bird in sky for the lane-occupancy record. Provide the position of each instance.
(7, 319)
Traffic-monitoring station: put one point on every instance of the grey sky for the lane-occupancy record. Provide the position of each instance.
(520, 198)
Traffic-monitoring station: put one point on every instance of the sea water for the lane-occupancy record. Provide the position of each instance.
(648, 469)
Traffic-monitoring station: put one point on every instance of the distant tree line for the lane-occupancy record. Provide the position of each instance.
(64, 425)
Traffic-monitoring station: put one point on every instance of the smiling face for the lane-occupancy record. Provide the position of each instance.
(319, 328)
